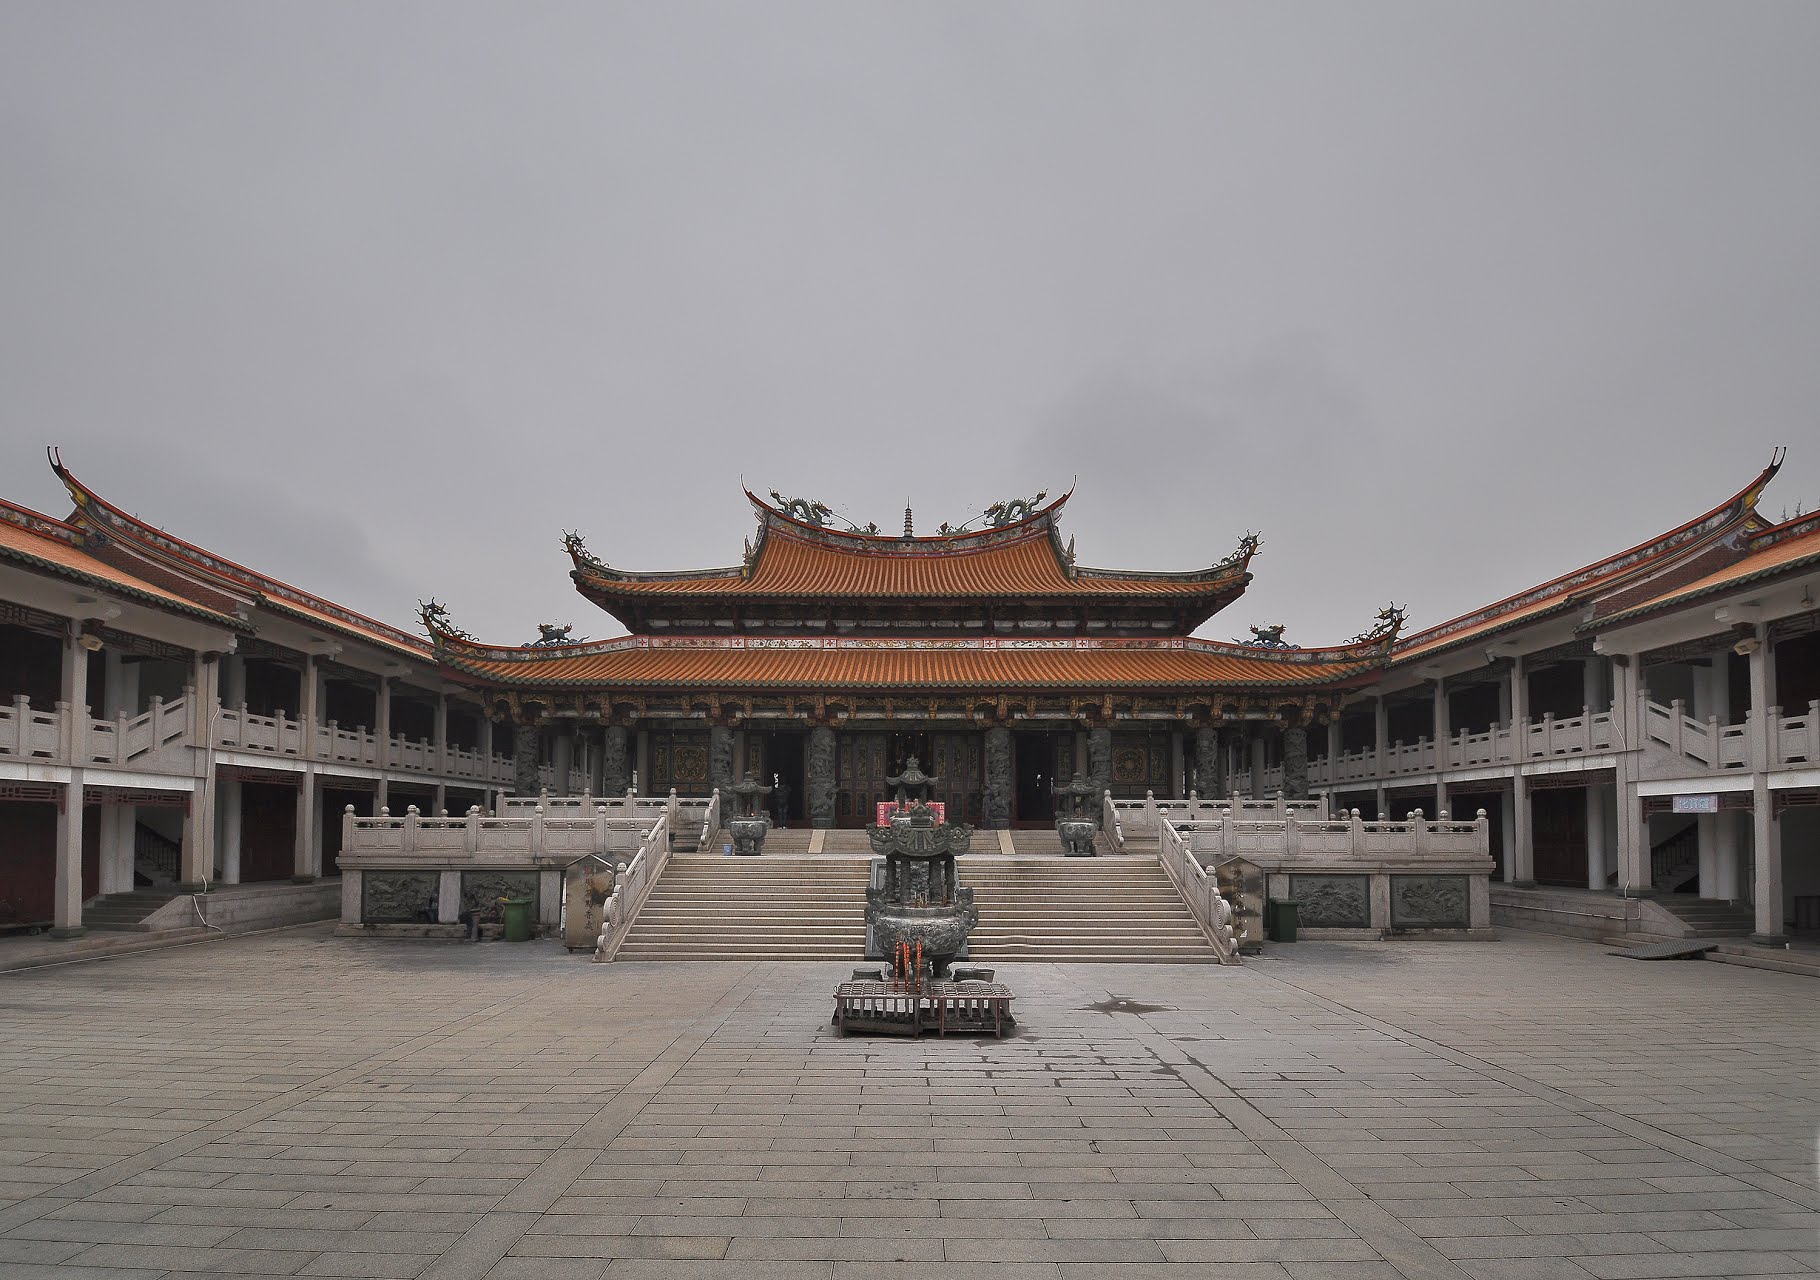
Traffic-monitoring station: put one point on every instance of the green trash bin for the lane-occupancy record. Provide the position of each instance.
(516, 913)
(1281, 924)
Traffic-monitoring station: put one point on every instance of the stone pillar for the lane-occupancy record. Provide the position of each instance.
(1295, 761)
(995, 804)
(1592, 685)
(562, 758)
(615, 772)
(819, 782)
(1256, 762)
(1099, 759)
(720, 766)
(1507, 823)
(1598, 859)
(1766, 829)
(66, 916)
(1177, 789)
(1209, 767)
(306, 862)
(1766, 888)
(1727, 882)
(1380, 728)
(228, 830)
(440, 733)
(198, 856)
(1632, 851)
(383, 732)
(524, 760)
(1521, 854)
(1706, 832)
(117, 822)
(72, 699)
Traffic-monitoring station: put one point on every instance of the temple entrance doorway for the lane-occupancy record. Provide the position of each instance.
(1559, 822)
(865, 759)
(776, 756)
(1039, 761)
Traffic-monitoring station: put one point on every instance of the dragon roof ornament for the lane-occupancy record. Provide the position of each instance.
(435, 617)
(1389, 622)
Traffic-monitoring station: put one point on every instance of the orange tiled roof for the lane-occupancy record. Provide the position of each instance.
(794, 559)
(269, 591)
(1562, 593)
(641, 662)
(53, 546)
(1789, 546)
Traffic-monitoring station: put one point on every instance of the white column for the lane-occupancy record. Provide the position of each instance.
(1507, 828)
(1441, 726)
(306, 855)
(1727, 859)
(1381, 730)
(1766, 830)
(562, 754)
(73, 698)
(67, 910)
(1521, 857)
(228, 829)
(1592, 684)
(1706, 832)
(119, 830)
(440, 732)
(233, 680)
(382, 712)
(1598, 816)
(197, 860)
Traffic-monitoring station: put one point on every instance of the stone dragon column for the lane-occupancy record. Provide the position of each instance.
(614, 773)
(720, 767)
(1295, 760)
(1209, 762)
(820, 781)
(525, 781)
(1099, 764)
(996, 803)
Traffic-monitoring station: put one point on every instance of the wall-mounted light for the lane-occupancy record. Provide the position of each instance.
(90, 643)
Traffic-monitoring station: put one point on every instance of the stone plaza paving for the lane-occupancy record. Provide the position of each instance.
(299, 1104)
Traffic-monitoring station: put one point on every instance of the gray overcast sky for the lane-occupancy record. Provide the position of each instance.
(1443, 298)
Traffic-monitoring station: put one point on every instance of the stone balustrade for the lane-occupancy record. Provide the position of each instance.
(237, 729)
(55, 736)
(412, 870)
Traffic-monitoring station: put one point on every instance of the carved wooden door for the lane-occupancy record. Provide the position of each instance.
(679, 758)
(862, 762)
(1559, 823)
(1142, 762)
(958, 763)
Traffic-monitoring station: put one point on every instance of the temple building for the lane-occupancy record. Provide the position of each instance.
(827, 657)
(1642, 731)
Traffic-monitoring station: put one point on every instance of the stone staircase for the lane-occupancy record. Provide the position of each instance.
(121, 912)
(801, 907)
(1709, 917)
(1104, 909)
(774, 907)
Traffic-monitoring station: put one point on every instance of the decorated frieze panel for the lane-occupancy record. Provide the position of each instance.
(1332, 902)
(1429, 902)
(398, 897)
(482, 890)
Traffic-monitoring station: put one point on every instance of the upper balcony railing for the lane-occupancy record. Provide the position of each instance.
(237, 729)
(134, 741)
(1728, 748)
(1548, 738)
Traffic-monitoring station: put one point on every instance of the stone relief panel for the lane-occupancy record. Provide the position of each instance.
(482, 890)
(398, 897)
(1429, 902)
(996, 803)
(1332, 902)
(820, 782)
(525, 781)
(614, 771)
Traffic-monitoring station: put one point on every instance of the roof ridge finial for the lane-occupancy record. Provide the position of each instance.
(909, 523)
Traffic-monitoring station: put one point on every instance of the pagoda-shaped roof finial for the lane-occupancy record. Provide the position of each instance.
(909, 523)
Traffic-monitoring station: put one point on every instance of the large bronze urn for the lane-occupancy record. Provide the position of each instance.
(920, 901)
